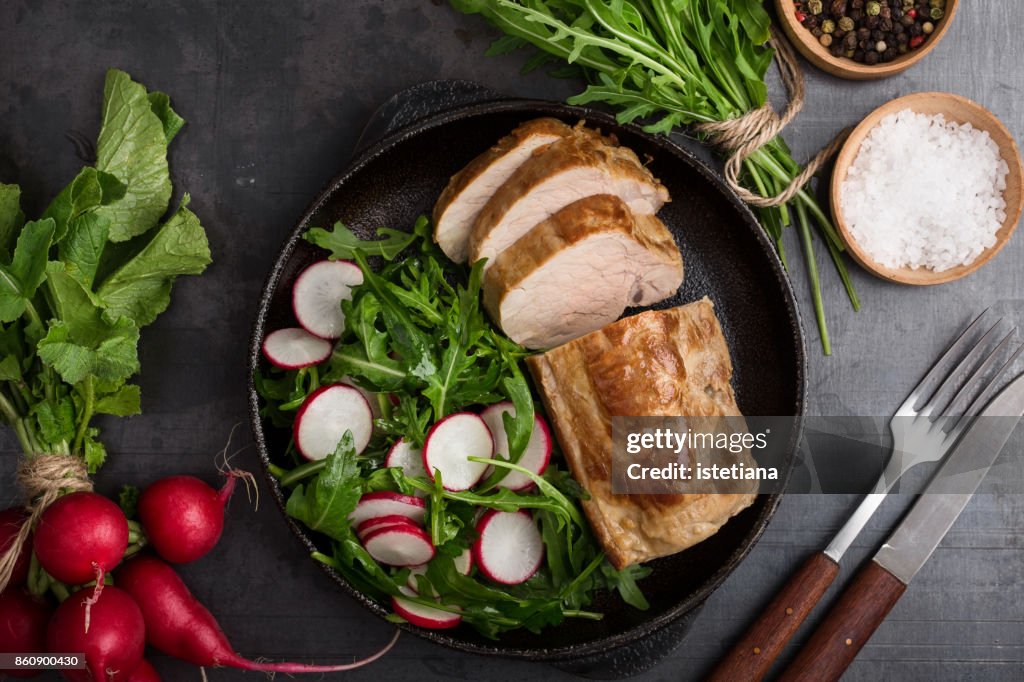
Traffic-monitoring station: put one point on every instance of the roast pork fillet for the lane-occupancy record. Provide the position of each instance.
(470, 188)
(574, 167)
(578, 271)
(657, 363)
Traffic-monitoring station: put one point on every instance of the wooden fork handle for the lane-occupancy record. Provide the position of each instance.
(752, 656)
(849, 625)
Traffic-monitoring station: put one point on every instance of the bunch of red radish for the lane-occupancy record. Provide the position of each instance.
(81, 538)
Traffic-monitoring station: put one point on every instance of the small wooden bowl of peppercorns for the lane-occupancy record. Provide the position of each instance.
(865, 39)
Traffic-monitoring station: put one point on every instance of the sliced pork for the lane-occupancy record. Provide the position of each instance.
(578, 270)
(573, 168)
(473, 186)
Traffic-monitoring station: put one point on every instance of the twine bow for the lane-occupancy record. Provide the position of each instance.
(44, 478)
(740, 137)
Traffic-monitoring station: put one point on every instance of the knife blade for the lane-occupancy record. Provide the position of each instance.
(878, 586)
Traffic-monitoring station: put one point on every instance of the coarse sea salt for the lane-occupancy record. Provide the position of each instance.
(925, 192)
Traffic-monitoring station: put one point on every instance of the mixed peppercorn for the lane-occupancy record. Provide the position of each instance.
(870, 31)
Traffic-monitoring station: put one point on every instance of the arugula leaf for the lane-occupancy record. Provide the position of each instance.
(27, 270)
(11, 217)
(141, 288)
(343, 243)
(324, 504)
(132, 146)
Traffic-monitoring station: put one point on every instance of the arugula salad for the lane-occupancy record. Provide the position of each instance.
(404, 372)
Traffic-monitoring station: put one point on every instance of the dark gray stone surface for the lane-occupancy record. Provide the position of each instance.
(276, 95)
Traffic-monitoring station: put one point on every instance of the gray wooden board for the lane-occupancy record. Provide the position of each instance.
(276, 94)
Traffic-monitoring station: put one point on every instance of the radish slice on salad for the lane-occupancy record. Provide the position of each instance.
(463, 564)
(371, 397)
(407, 545)
(294, 348)
(509, 549)
(449, 444)
(378, 522)
(423, 616)
(538, 451)
(409, 459)
(318, 293)
(387, 503)
(326, 415)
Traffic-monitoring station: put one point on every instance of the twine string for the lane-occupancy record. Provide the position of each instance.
(740, 137)
(44, 478)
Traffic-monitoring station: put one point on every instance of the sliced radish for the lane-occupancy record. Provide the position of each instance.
(538, 450)
(407, 458)
(318, 293)
(294, 348)
(451, 442)
(509, 548)
(326, 415)
(423, 616)
(387, 503)
(464, 562)
(378, 522)
(407, 545)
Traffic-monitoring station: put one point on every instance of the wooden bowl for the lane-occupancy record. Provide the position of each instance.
(816, 54)
(954, 108)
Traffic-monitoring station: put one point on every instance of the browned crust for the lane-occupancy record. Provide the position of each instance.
(574, 223)
(462, 179)
(657, 363)
(585, 147)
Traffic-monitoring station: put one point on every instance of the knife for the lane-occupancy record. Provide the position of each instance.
(872, 594)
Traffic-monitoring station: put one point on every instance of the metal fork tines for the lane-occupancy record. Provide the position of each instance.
(939, 410)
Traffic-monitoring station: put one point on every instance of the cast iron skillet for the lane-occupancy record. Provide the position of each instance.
(727, 257)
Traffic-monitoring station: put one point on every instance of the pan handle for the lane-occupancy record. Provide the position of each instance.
(752, 656)
(421, 101)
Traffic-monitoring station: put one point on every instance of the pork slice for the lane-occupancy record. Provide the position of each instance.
(566, 171)
(469, 189)
(578, 271)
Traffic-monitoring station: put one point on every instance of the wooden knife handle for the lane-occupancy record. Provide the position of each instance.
(752, 656)
(849, 625)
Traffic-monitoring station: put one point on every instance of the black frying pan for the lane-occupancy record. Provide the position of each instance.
(727, 257)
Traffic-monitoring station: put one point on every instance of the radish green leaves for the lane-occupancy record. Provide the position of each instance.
(73, 300)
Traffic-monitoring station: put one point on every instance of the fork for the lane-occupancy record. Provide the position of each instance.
(924, 429)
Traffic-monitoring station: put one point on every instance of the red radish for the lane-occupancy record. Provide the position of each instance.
(387, 503)
(184, 517)
(112, 642)
(144, 673)
(318, 293)
(423, 616)
(326, 415)
(22, 627)
(178, 625)
(509, 549)
(294, 348)
(11, 521)
(378, 522)
(371, 397)
(407, 458)
(450, 443)
(538, 450)
(463, 564)
(406, 545)
(79, 538)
